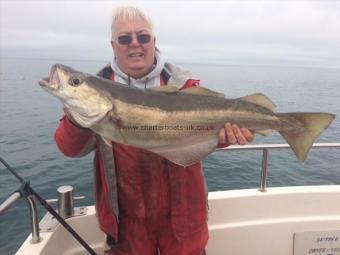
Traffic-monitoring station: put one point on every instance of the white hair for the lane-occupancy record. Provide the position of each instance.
(128, 13)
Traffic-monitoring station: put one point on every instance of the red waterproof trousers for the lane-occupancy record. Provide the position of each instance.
(146, 222)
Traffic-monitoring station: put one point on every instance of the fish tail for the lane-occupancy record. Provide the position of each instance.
(313, 125)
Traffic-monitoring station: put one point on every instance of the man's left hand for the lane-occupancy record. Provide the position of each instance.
(233, 134)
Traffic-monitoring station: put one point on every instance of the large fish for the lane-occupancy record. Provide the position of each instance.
(182, 126)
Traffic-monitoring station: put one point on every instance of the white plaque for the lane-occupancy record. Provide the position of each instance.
(317, 243)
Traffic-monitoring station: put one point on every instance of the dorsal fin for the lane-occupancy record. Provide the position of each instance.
(165, 89)
(202, 91)
(260, 99)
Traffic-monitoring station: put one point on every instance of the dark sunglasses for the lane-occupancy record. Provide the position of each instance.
(127, 39)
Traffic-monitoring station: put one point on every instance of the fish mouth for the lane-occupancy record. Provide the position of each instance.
(44, 82)
(52, 82)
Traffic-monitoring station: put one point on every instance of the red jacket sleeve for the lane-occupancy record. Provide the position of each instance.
(73, 141)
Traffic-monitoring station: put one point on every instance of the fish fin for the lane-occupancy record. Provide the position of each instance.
(118, 123)
(260, 99)
(187, 155)
(125, 141)
(202, 91)
(313, 123)
(169, 89)
(264, 132)
(107, 142)
(111, 128)
(106, 136)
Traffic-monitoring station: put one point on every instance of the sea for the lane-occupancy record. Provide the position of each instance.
(29, 117)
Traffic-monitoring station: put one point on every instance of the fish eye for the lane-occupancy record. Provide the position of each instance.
(75, 81)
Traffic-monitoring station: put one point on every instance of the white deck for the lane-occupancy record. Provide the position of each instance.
(241, 222)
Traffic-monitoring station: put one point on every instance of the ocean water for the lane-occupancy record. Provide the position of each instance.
(29, 117)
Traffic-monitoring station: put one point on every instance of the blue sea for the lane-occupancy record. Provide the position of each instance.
(29, 116)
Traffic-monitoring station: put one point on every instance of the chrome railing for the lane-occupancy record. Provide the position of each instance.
(65, 207)
(265, 152)
(11, 200)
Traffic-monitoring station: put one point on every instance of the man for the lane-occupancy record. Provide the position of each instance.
(145, 203)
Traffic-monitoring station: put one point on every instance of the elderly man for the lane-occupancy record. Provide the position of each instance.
(145, 204)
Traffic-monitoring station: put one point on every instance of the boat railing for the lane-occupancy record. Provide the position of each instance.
(265, 153)
(69, 197)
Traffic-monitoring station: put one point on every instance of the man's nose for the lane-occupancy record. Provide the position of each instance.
(134, 41)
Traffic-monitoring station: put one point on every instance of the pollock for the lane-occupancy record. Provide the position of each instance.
(179, 125)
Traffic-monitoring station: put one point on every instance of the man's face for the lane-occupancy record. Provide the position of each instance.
(135, 58)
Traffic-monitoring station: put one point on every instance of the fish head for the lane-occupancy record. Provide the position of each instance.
(86, 103)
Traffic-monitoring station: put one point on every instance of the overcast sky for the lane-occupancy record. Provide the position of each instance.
(233, 32)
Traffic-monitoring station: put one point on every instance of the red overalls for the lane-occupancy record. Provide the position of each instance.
(163, 206)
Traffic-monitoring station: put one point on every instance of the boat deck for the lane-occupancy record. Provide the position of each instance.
(240, 222)
(296, 220)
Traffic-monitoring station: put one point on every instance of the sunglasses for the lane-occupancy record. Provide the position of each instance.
(127, 39)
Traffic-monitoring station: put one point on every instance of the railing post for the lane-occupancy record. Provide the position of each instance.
(263, 184)
(34, 220)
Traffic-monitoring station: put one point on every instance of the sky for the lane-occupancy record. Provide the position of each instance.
(272, 32)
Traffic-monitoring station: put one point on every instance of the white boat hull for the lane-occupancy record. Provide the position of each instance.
(249, 222)
(242, 222)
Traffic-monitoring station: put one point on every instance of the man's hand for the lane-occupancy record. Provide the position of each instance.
(233, 134)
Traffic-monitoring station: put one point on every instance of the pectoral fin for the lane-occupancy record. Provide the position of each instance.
(107, 142)
(118, 124)
(110, 128)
